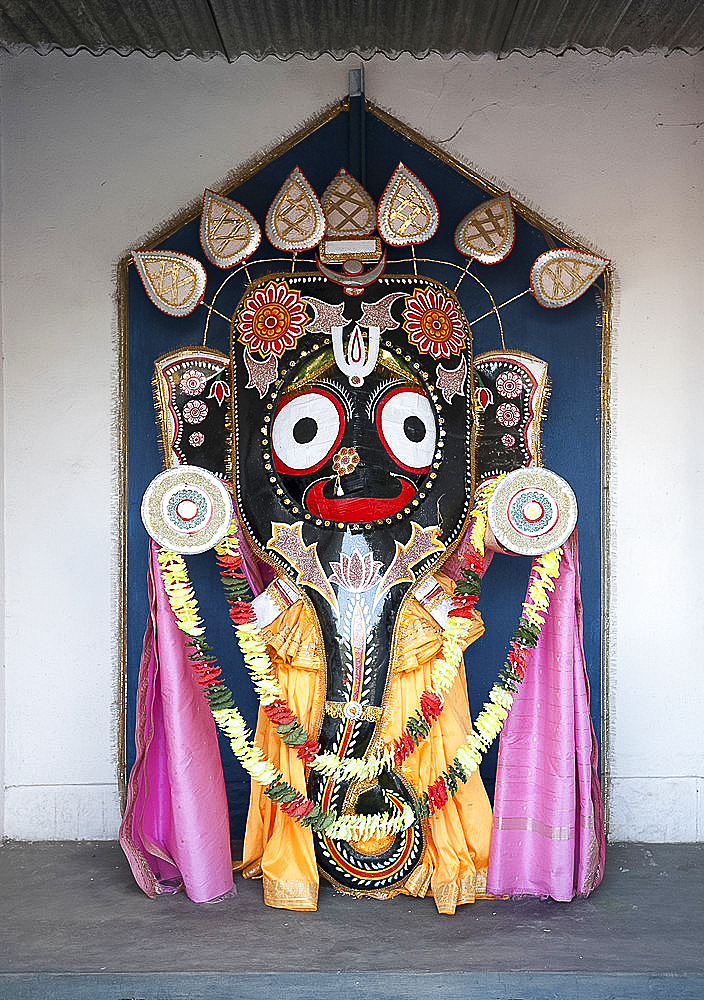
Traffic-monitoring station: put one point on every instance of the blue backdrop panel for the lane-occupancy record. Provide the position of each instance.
(568, 339)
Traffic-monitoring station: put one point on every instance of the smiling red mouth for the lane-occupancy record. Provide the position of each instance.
(356, 508)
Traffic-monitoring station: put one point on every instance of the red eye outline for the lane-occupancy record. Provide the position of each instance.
(281, 466)
(377, 419)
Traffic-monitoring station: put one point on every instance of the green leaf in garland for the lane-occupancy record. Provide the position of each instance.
(286, 728)
(219, 697)
(456, 769)
(320, 821)
(507, 679)
(526, 634)
(422, 809)
(274, 787)
(418, 728)
(236, 589)
(282, 792)
(296, 738)
(450, 780)
(471, 585)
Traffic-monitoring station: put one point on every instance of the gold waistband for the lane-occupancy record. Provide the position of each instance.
(353, 711)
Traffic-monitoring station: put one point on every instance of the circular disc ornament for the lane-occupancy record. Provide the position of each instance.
(532, 511)
(186, 509)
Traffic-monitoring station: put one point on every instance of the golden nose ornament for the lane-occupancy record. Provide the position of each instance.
(344, 461)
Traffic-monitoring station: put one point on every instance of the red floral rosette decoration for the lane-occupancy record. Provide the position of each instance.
(272, 319)
(434, 323)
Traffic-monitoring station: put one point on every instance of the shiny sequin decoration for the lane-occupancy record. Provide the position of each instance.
(488, 232)
(229, 233)
(174, 282)
(560, 276)
(407, 213)
(295, 219)
(451, 381)
(348, 208)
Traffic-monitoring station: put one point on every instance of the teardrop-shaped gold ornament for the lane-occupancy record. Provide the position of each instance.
(295, 219)
(349, 208)
(560, 276)
(488, 232)
(229, 233)
(173, 281)
(407, 212)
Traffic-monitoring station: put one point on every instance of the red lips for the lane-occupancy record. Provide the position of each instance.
(356, 508)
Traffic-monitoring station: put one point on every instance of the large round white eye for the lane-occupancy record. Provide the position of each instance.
(305, 431)
(406, 425)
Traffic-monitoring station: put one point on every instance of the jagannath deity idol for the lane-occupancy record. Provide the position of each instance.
(354, 467)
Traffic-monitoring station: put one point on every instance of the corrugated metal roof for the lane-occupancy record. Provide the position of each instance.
(283, 28)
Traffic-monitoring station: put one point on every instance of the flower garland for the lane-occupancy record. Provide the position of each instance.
(487, 725)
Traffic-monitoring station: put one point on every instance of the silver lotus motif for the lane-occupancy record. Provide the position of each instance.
(356, 572)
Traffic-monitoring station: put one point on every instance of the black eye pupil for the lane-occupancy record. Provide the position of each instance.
(414, 428)
(304, 430)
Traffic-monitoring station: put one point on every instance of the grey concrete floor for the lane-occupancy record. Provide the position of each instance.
(73, 908)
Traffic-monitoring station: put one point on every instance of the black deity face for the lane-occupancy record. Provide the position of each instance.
(352, 415)
(354, 454)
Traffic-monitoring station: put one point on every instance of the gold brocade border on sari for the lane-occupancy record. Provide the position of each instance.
(294, 895)
(453, 894)
(449, 895)
(418, 882)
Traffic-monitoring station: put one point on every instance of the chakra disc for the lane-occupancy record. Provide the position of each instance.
(186, 509)
(532, 511)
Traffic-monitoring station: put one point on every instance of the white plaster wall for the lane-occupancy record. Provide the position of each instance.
(98, 152)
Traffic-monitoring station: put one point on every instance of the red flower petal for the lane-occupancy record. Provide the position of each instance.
(308, 751)
(430, 705)
(464, 606)
(241, 613)
(403, 747)
(279, 713)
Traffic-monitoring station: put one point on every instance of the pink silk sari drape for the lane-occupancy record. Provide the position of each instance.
(548, 831)
(175, 831)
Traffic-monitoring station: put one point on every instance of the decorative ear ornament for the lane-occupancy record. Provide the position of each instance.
(532, 511)
(511, 389)
(186, 509)
(191, 397)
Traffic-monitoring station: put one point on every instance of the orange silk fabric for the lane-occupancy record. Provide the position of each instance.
(453, 868)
